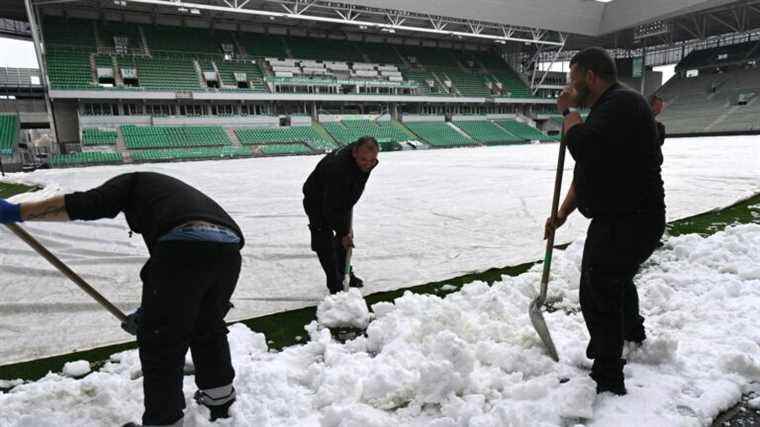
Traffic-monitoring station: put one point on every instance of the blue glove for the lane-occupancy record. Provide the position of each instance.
(9, 212)
(133, 322)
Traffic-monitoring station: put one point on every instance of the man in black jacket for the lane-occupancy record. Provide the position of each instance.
(330, 192)
(616, 183)
(188, 280)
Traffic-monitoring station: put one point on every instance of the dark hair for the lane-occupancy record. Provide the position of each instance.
(597, 60)
(654, 98)
(367, 140)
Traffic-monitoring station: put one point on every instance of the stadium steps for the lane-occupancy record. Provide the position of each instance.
(488, 133)
(93, 66)
(439, 135)
(524, 131)
(218, 74)
(324, 133)
(98, 41)
(233, 137)
(118, 81)
(729, 112)
(463, 133)
(121, 147)
(199, 73)
(401, 57)
(440, 82)
(144, 41)
(400, 126)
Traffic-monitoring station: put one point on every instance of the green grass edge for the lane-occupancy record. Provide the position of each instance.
(283, 329)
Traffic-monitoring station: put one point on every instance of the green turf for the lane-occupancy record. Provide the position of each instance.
(8, 190)
(742, 212)
(285, 328)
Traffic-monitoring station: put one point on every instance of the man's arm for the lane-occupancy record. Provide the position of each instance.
(52, 209)
(336, 202)
(568, 207)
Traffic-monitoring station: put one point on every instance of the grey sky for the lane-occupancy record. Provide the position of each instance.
(17, 53)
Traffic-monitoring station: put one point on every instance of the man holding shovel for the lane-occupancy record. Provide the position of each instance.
(616, 183)
(193, 268)
(330, 192)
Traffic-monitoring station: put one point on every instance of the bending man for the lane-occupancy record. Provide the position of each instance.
(330, 193)
(187, 282)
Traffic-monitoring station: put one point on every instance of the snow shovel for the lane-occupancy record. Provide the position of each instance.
(347, 272)
(63, 268)
(536, 316)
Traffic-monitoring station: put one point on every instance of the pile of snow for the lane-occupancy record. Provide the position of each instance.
(472, 358)
(76, 369)
(344, 310)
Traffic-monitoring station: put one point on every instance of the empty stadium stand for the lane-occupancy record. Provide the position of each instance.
(488, 133)
(93, 137)
(283, 135)
(348, 131)
(285, 149)
(723, 96)
(202, 153)
(439, 134)
(159, 57)
(524, 131)
(143, 137)
(85, 158)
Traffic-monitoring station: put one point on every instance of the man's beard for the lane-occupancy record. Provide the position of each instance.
(583, 97)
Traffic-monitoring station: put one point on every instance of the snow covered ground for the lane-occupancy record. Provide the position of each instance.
(425, 216)
(473, 359)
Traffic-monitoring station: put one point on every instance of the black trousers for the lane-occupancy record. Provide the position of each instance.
(186, 294)
(614, 250)
(331, 254)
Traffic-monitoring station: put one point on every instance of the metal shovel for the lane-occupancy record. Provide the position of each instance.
(536, 316)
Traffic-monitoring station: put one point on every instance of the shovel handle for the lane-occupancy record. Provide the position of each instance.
(553, 217)
(63, 268)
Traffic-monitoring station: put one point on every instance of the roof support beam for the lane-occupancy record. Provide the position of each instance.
(731, 27)
(384, 19)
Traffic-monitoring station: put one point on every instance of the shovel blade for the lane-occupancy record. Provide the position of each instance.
(539, 324)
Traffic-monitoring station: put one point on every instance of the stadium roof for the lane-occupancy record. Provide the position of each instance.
(616, 23)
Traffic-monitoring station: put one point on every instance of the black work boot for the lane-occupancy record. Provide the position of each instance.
(609, 376)
(355, 281)
(218, 401)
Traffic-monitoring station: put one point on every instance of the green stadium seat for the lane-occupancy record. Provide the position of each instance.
(227, 70)
(522, 130)
(283, 135)
(85, 158)
(488, 133)
(285, 149)
(91, 137)
(145, 137)
(200, 153)
(349, 131)
(439, 134)
(9, 125)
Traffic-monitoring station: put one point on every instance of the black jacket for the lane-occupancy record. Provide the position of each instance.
(661, 134)
(332, 189)
(617, 170)
(153, 204)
